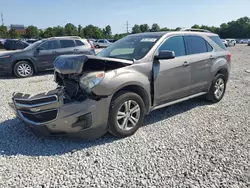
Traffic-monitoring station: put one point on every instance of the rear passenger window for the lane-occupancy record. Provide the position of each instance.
(175, 44)
(196, 45)
(217, 40)
(79, 43)
(67, 43)
(209, 47)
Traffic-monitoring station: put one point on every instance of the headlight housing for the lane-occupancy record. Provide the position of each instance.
(90, 80)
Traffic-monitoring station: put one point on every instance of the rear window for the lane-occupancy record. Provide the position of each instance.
(218, 41)
(79, 43)
(67, 43)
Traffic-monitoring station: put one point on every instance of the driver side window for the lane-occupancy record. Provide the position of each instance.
(50, 45)
(175, 44)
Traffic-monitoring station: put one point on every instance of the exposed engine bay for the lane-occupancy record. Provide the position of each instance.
(79, 74)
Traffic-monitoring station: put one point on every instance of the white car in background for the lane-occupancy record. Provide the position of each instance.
(244, 41)
(102, 43)
(231, 42)
(224, 42)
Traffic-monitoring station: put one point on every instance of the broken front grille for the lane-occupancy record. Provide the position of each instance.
(36, 101)
(40, 117)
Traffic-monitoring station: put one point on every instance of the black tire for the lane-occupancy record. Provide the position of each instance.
(211, 95)
(97, 46)
(118, 100)
(23, 63)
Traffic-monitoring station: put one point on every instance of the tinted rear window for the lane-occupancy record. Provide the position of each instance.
(79, 43)
(196, 45)
(218, 41)
(67, 43)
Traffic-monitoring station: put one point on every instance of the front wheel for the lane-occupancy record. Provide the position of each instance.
(23, 69)
(126, 114)
(217, 89)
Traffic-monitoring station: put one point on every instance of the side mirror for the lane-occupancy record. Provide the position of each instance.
(165, 54)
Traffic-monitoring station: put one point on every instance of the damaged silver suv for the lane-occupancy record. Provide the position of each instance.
(114, 90)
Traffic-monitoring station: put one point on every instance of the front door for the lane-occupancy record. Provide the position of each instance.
(172, 77)
(46, 54)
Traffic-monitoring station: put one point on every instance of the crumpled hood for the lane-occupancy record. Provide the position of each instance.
(75, 64)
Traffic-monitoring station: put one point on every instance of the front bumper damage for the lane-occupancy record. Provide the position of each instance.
(50, 114)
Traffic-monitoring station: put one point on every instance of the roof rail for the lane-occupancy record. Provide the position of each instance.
(195, 30)
(73, 37)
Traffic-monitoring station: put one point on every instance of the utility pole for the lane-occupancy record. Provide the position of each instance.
(2, 18)
(127, 27)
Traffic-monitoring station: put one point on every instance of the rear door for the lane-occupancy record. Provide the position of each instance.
(200, 54)
(67, 47)
(172, 76)
(46, 54)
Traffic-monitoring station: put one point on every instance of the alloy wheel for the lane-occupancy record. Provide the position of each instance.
(219, 88)
(128, 115)
(24, 69)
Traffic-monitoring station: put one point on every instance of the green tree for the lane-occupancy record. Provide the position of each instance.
(195, 26)
(32, 31)
(70, 30)
(155, 28)
(91, 31)
(13, 33)
(119, 36)
(58, 31)
(107, 33)
(136, 29)
(41, 33)
(144, 28)
(80, 31)
(49, 32)
(3, 32)
(165, 29)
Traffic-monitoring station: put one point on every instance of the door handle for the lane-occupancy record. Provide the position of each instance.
(54, 52)
(75, 49)
(185, 64)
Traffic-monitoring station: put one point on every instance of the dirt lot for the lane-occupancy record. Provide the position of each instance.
(192, 144)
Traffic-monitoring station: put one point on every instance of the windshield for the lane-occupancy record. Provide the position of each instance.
(130, 47)
(31, 46)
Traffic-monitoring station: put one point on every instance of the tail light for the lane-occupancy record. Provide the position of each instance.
(229, 57)
(91, 44)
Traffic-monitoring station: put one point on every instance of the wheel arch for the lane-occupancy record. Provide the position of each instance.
(24, 59)
(139, 90)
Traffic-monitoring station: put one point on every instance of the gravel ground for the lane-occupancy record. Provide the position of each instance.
(192, 144)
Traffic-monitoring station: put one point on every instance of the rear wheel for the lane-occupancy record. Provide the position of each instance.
(217, 89)
(23, 69)
(127, 111)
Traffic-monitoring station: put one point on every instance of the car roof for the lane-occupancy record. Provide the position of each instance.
(162, 33)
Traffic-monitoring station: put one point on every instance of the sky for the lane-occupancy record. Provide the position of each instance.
(171, 14)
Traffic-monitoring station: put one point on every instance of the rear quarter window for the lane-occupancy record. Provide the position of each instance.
(218, 41)
(79, 43)
(196, 45)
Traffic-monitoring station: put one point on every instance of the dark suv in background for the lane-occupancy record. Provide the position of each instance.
(14, 44)
(40, 55)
